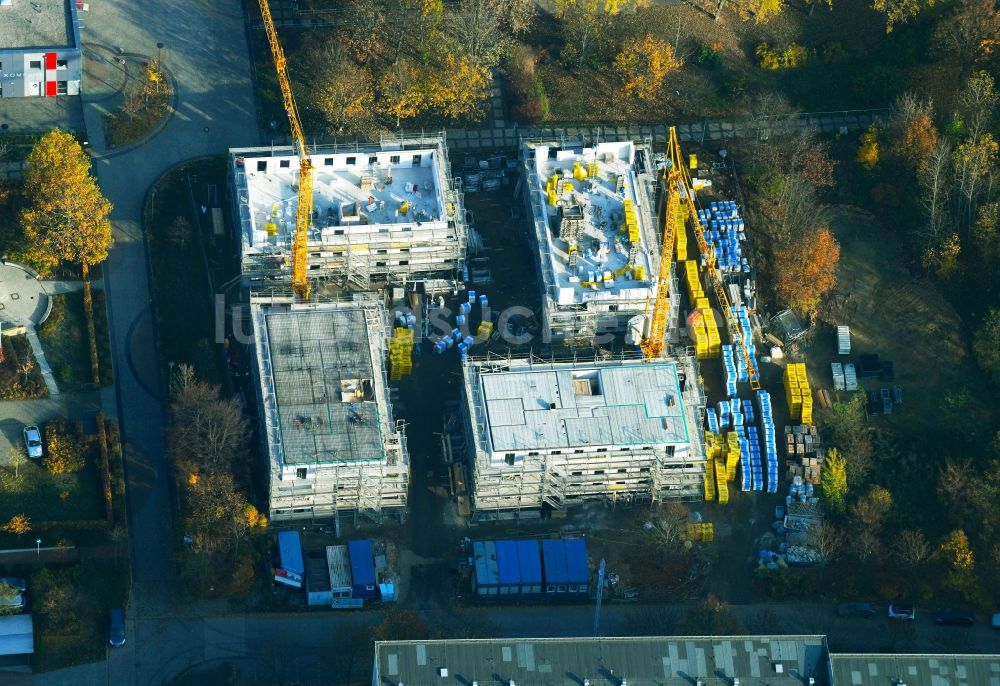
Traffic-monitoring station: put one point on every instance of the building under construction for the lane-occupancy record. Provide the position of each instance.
(551, 434)
(327, 427)
(596, 235)
(383, 214)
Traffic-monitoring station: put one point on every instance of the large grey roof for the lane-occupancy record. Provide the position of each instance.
(670, 661)
(625, 405)
(916, 670)
(35, 24)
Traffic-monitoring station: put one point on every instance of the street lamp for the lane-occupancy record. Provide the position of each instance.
(38, 548)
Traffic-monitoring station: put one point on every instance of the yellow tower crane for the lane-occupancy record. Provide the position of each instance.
(303, 214)
(652, 345)
(678, 187)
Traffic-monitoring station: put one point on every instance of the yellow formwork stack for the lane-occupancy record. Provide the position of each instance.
(798, 393)
(592, 169)
(400, 353)
(695, 290)
(712, 331)
(707, 532)
(720, 482)
(484, 331)
(681, 239)
(709, 483)
(579, 173)
(631, 222)
(700, 532)
(732, 455)
(700, 335)
(552, 189)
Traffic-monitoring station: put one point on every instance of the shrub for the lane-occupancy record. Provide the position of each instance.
(63, 451)
(709, 56)
(793, 56)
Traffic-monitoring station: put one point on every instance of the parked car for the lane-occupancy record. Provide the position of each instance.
(33, 441)
(13, 592)
(995, 621)
(954, 616)
(865, 610)
(902, 611)
(116, 629)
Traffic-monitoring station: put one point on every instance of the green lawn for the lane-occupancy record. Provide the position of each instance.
(47, 498)
(64, 338)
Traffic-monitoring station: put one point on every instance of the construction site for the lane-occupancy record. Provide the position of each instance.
(327, 425)
(381, 214)
(595, 234)
(646, 383)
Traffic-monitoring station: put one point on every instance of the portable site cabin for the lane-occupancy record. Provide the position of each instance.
(530, 566)
(362, 569)
(565, 566)
(554, 564)
(290, 568)
(317, 580)
(486, 576)
(338, 566)
(508, 568)
(577, 569)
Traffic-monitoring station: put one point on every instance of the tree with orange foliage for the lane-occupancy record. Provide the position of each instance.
(643, 64)
(806, 269)
(19, 524)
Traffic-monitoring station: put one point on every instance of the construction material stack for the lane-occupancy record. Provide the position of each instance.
(752, 472)
(725, 232)
(805, 452)
(729, 370)
(400, 353)
(770, 446)
(712, 452)
(798, 393)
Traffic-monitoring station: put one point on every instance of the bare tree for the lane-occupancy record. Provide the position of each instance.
(486, 30)
(911, 548)
(205, 428)
(25, 368)
(935, 184)
(18, 459)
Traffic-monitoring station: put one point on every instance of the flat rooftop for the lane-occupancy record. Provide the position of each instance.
(352, 192)
(582, 405)
(671, 661)
(916, 670)
(323, 380)
(35, 24)
(597, 203)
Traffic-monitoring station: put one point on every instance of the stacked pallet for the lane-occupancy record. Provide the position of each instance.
(720, 481)
(631, 222)
(770, 447)
(729, 370)
(805, 452)
(709, 482)
(695, 289)
(797, 393)
(400, 353)
(712, 331)
(734, 440)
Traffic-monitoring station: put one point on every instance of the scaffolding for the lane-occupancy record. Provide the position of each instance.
(635, 470)
(365, 243)
(332, 444)
(594, 313)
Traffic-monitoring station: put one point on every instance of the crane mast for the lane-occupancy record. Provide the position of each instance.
(303, 213)
(678, 188)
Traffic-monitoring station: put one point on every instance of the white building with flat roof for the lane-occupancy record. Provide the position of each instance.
(40, 50)
(332, 444)
(567, 431)
(596, 233)
(383, 214)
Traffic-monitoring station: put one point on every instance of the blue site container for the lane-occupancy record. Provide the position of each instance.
(529, 562)
(554, 565)
(507, 566)
(577, 569)
(362, 569)
(486, 580)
